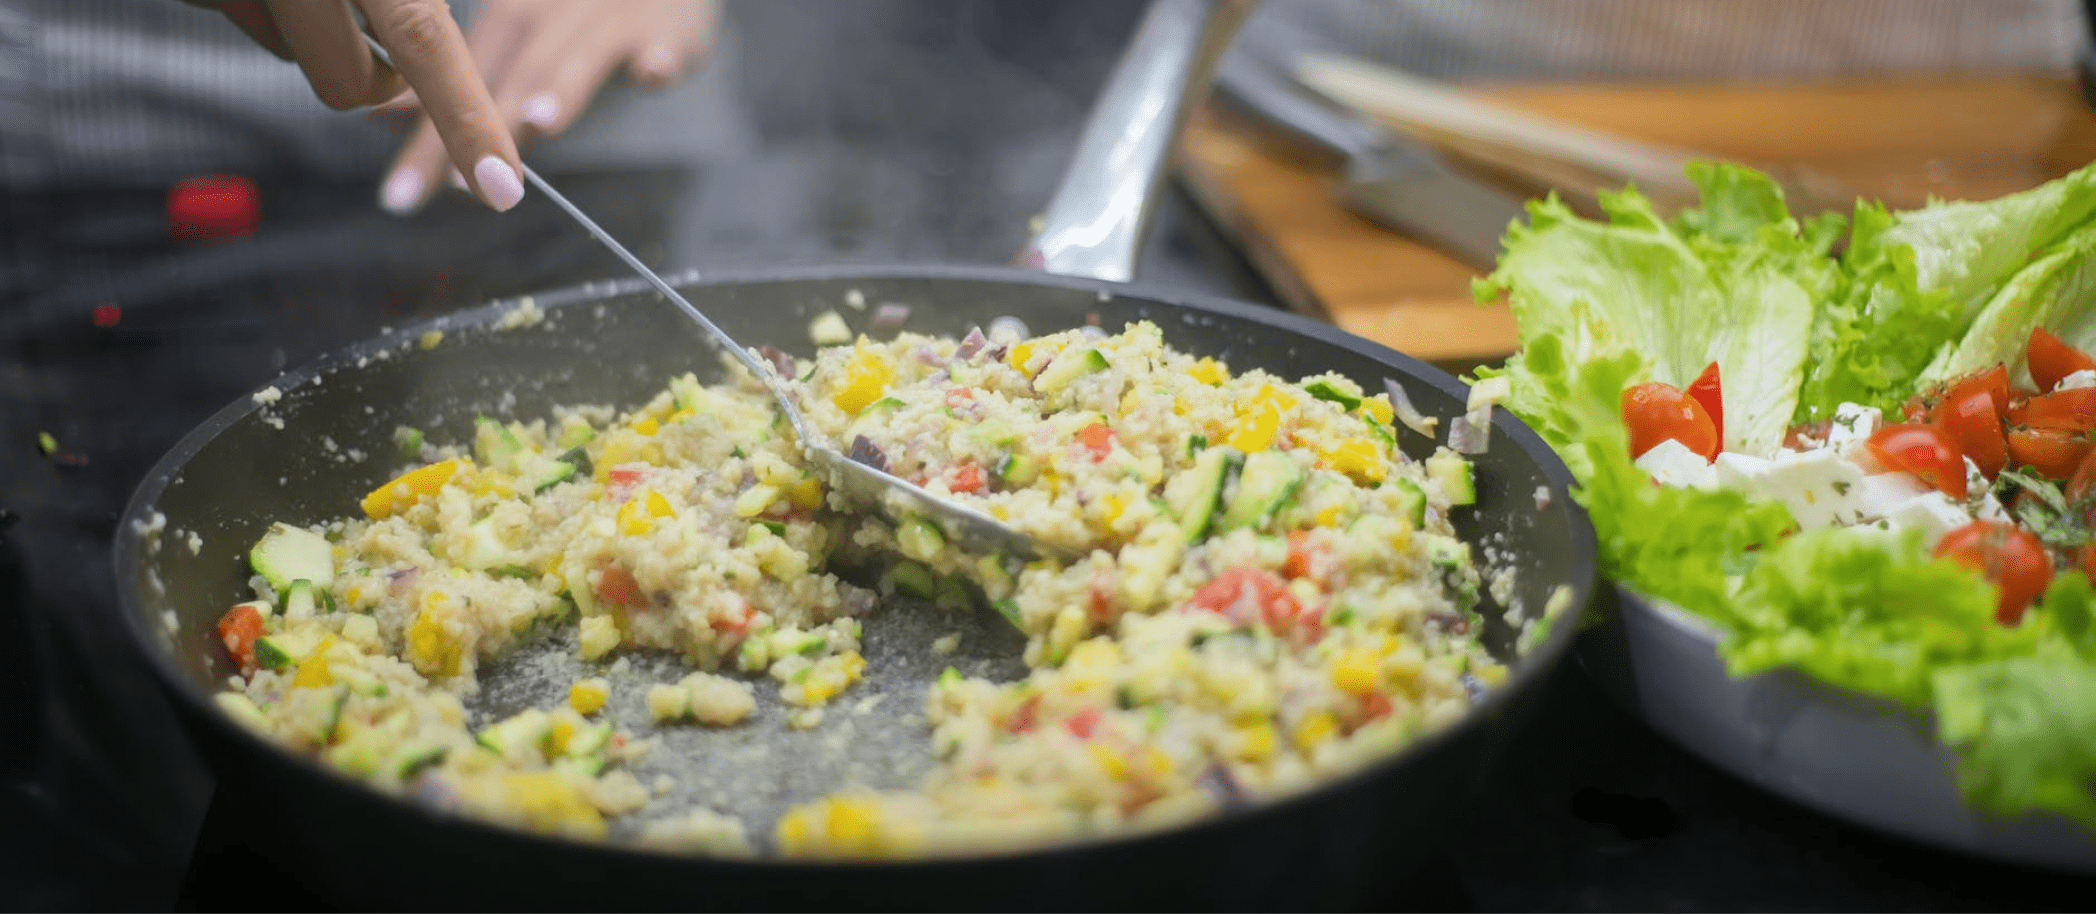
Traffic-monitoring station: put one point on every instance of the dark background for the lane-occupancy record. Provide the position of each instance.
(921, 132)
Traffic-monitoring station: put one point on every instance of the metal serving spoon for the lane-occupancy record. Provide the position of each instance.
(863, 486)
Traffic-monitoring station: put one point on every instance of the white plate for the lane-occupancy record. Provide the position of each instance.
(1852, 756)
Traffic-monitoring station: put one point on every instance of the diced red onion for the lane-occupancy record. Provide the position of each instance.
(1472, 433)
(971, 344)
(779, 360)
(1401, 406)
(887, 318)
(863, 450)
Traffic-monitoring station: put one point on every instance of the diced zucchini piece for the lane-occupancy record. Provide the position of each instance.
(1381, 433)
(414, 761)
(575, 462)
(588, 766)
(1194, 494)
(519, 572)
(1069, 366)
(1453, 473)
(918, 539)
(1017, 469)
(574, 432)
(287, 553)
(283, 649)
(1268, 481)
(495, 445)
(913, 580)
(409, 442)
(1009, 608)
(882, 403)
(829, 329)
(483, 548)
(1325, 390)
(1447, 553)
(590, 740)
(299, 601)
(521, 732)
(776, 528)
(1411, 501)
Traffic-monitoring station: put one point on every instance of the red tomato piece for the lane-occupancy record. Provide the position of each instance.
(2055, 452)
(967, 477)
(1924, 451)
(1971, 416)
(1708, 392)
(1375, 705)
(2052, 359)
(1083, 723)
(1655, 412)
(617, 585)
(1096, 438)
(1299, 547)
(2009, 557)
(1247, 595)
(239, 628)
(2074, 410)
(1022, 717)
(2084, 478)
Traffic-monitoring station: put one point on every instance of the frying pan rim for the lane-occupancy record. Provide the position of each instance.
(1542, 658)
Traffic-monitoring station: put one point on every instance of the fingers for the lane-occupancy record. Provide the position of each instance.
(462, 118)
(323, 36)
(663, 55)
(559, 68)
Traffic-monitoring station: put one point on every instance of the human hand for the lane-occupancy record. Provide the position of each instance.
(543, 61)
(432, 57)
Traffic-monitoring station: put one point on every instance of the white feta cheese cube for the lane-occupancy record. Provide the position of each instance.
(1979, 495)
(2079, 379)
(1818, 487)
(1883, 493)
(1934, 513)
(1673, 464)
(1853, 425)
(1740, 472)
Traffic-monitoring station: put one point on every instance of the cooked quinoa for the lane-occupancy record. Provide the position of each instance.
(1268, 592)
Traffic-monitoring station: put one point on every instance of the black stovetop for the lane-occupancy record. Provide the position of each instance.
(103, 803)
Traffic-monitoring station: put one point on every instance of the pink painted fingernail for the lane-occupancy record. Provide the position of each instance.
(401, 190)
(499, 185)
(541, 110)
(458, 180)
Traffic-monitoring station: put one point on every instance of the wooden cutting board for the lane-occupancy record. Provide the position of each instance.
(1898, 141)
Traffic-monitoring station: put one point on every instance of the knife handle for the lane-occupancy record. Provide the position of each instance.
(1254, 87)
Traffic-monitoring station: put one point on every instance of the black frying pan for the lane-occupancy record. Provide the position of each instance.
(311, 454)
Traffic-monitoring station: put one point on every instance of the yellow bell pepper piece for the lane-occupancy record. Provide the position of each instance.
(1378, 408)
(866, 377)
(632, 520)
(1356, 672)
(647, 426)
(432, 648)
(1017, 358)
(805, 492)
(409, 487)
(1255, 741)
(1315, 729)
(1208, 371)
(659, 506)
(1255, 429)
(1357, 458)
(1109, 761)
(313, 672)
(586, 696)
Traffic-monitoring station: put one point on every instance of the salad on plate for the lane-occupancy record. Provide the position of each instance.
(1860, 447)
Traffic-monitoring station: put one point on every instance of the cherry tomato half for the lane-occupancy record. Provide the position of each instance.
(2069, 409)
(2009, 557)
(1655, 412)
(1924, 451)
(2084, 478)
(2052, 359)
(1969, 415)
(2055, 452)
(1708, 392)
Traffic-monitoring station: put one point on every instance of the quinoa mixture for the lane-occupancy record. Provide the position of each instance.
(1268, 593)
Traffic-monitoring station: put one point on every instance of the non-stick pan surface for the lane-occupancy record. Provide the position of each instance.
(305, 449)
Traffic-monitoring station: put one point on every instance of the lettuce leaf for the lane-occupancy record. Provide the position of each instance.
(1916, 281)
(2023, 727)
(2053, 292)
(1733, 281)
